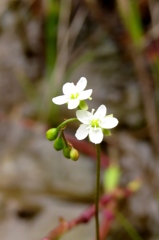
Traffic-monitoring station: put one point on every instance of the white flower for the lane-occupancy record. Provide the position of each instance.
(93, 124)
(73, 94)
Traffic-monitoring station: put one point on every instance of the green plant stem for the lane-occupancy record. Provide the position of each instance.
(63, 124)
(97, 190)
(128, 227)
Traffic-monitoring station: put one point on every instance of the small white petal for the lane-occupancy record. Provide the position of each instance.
(68, 88)
(101, 112)
(96, 135)
(82, 132)
(84, 116)
(109, 122)
(85, 94)
(60, 100)
(82, 83)
(73, 103)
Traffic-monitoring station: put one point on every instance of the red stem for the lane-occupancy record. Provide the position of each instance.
(64, 225)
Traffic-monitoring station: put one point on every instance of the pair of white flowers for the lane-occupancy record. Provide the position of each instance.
(94, 124)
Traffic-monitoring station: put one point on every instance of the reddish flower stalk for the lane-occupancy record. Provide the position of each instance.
(108, 216)
(85, 217)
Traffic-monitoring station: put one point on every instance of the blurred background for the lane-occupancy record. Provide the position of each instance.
(43, 44)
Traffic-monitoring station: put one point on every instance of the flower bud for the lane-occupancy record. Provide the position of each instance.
(66, 151)
(52, 134)
(58, 144)
(74, 154)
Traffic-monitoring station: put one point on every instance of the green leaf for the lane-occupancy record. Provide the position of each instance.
(111, 178)
(129, 11)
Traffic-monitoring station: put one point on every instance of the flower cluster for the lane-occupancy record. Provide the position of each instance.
(94, 124)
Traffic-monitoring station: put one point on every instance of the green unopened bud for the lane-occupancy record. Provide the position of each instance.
(58, 144)
(74, 154)
(66, 152)
(52, 134)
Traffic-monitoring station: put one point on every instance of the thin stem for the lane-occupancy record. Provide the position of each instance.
(63, 124)
(97, 190)
(64, 139)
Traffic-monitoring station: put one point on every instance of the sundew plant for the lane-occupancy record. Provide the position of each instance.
(94, 124)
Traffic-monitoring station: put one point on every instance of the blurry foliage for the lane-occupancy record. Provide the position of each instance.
(111, 178)
(128, 227)
(62, 26)
(68, 33)
(51, 29)
(132, 19)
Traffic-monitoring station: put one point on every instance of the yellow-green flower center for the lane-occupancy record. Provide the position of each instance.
(95, 123)
(74, 95)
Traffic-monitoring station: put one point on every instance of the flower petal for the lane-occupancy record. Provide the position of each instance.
(73, 103)
(96, 135)
(82, 83)
(82, 132)
(60, 100)
(85, 94)
(84, 116)
(68, 88)
(109, 122)
(101, 112)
